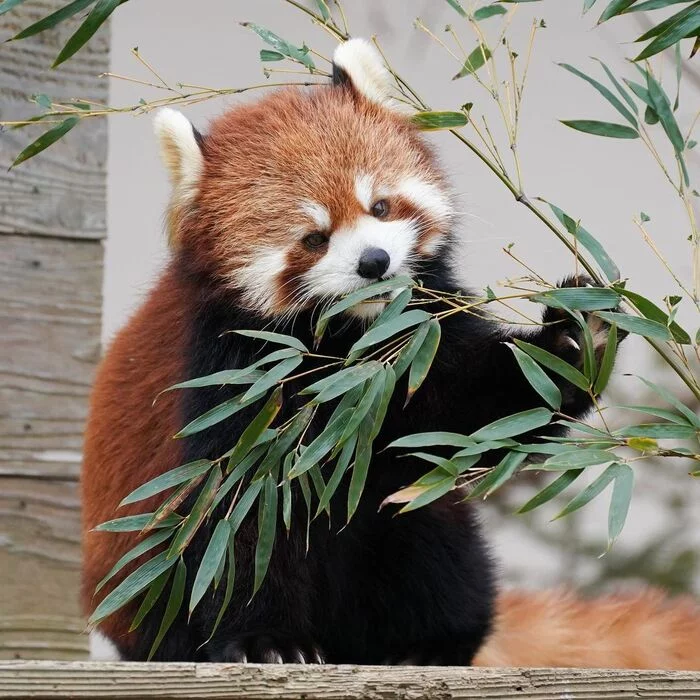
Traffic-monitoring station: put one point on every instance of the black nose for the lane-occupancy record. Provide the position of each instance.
(374, 262)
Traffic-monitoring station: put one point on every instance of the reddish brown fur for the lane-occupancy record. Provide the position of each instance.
(145, 358)
(557, 628)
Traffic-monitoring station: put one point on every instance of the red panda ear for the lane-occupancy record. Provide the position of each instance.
(359, 66)
(181, 152)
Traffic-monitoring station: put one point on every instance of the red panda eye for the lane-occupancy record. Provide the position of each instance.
(380, 209)
(315, 240)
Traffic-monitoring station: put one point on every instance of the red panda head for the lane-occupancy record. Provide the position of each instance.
(306, 195)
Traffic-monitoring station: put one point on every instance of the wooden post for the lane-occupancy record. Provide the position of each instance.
(119, 681)
(52, 223)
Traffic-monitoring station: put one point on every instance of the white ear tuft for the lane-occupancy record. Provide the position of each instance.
(363, 65)
(179, 150)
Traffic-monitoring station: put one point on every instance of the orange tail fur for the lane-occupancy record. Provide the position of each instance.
(557, 628)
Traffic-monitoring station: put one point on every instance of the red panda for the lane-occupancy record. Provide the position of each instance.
(282, 206)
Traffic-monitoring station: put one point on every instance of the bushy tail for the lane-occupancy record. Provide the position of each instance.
(557, 628)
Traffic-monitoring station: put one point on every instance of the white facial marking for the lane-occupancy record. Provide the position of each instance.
(258, 277)
(102, 648)
(336, 273)
(363, 190)
(426, 195)
(320, 215)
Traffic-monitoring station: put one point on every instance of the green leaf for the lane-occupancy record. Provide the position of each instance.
(606, 364)
(45, 140)
(135, 583)
(323, 9)
(476, 59)
(211, 561)
(214, 415)
(505, 470)
(685, 23)
(653, 312)
(358, 296)
(375, 388)
(363, 457)
(53, 19)
(667, 396)
(150, 599)
(257, 426)
(266, 534)
(134, 553)
(321, 446)
(592, 490)
(577, 458)
(423, 360)
(338, 472)
(639, 326)
(435, 121)
(579, 298)
(554, 489)
(456, 6)
(489, 11)
(272, 377)
(604, 91)
(588, 4)
(515, 424)
(556, 364)
(230, 580)
(135, 523)
(619, 87)
(279, 44)
(662, 106)
(97, 17)
(481, 447)
(409, 351)
(341, 382)
(266, 55)
(433, 438)
(616, 7)
(177, 594)
(393, 309)
(7, 5)
(429, 494)
(620, 501)
(652, 5)
(589, 242)
(171, 478)
(658, 412)
(227, 376)
(244, 504)
(389, 329)
(537, 378)
(278, 338)
(196, 517)
(598, 128)
(661, 431)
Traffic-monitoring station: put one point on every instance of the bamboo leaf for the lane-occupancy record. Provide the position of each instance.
(433, 438)
(616, 7)
(45, 140)
(606, 364)
(604, 91)
(409, 351)
(668, 431)
(244, 504)
(215, 415)
(338, 472)
(556, 364)
(516, 424)
(394, 308)
(177, 594)
(272, 377)
(196, 517)
(266, 534)
(579, 298)
(134, 523)
(505, 470)
(389, 329)
(619, 87)
(134, 553)
(171, 478)
(640, 326)
(227, 376)
(685, 23)
(211, 562)
(266, 55)
(428, 495)
(230, 580)
(476, 59)
(552, 490)
(620, 501)
(279, 44)
(489, 11)
(97, 17)
(150, 599)
(537, 378)
(592, 490)
(135, 583)
(669, 398)
(341, 382)
(654, 313)
(423, 360)
(659, 413)
(662, 107)
(455, 4)
(598, 128)
(278, 338)
(7, 5)
(53, 19)
(576, 458)
(435, 121)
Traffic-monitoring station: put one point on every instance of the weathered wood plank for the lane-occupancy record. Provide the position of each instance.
(293, 682)
(62, 193)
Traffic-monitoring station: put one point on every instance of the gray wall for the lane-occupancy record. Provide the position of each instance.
(604, 180)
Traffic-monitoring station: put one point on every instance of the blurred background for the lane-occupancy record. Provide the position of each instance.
(82, 241)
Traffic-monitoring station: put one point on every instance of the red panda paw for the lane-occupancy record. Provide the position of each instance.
(267, 649)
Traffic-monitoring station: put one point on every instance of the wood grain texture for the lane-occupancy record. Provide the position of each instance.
(291, 682)
(52, 217)
(62, 192)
